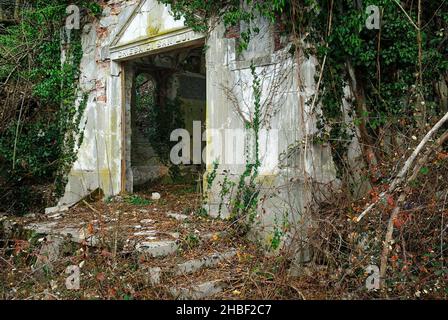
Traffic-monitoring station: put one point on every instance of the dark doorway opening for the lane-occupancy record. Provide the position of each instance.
(169, 92)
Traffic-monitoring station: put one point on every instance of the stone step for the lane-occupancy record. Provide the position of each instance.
(204, 290)
(157, 274)
(164, 248)
(177, 216)
(157, 249)
(205, 283)
(210, 261)
(73, 233)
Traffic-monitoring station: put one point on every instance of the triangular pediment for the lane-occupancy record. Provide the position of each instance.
(150, 19)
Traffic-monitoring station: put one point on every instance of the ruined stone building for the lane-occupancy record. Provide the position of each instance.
(139, 42)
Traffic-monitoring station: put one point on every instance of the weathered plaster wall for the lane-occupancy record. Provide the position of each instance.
(286, 183)
(99, 158)
(153, 19)
(107, 75)
(108, 82)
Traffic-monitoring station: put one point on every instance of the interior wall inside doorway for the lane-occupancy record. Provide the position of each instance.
(169, 92)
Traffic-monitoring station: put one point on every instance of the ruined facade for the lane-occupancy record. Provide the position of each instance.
(137, 37)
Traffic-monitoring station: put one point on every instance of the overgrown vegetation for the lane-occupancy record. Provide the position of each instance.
(394, 82)
(41, 109)
(384, 88)
(245, 202)
(157, 121)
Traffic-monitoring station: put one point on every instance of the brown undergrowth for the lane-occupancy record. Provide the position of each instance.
(341, 249)
(112, 270)
(417, 261)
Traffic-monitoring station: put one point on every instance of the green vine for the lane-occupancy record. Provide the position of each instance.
(393, 88)
(39, 141)
(245, 202)
(156, 121)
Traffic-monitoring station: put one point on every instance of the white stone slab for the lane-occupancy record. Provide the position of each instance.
(200, 291)
(157, 248)
(192, 266)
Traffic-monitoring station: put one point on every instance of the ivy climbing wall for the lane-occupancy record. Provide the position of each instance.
(130, 30)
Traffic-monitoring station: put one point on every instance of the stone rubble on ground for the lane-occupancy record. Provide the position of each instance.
(57, 209)
(156, 196)
(155, 275)
(48, 253)
(200, 291)
(205, 262)
(156, 249)
(177, 216)
(189, 267)
(76, 234)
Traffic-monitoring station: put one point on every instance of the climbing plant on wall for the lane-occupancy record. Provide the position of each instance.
(394, 79)
(393, 71)
(245, 203)
(41, 106)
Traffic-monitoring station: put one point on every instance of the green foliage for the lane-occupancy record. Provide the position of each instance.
(245, 204)
(191, 240)
(226, 188)
(276, 239)
(424, 170)
(211, 176)
(201, 212)
(38, 144)
(136, 200)
(158, 121)
(385, 67)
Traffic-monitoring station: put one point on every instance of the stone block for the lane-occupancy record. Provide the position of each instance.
(206, 262)
(157, 248)
(200, 291)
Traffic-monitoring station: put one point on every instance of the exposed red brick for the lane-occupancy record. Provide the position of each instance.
(102, 32)
(233, 32)
(99, 84)
(278, 30)
(115, 10)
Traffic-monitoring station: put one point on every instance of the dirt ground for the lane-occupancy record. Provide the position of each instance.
(112, 269)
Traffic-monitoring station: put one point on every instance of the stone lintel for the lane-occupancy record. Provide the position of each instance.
(169, 41)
